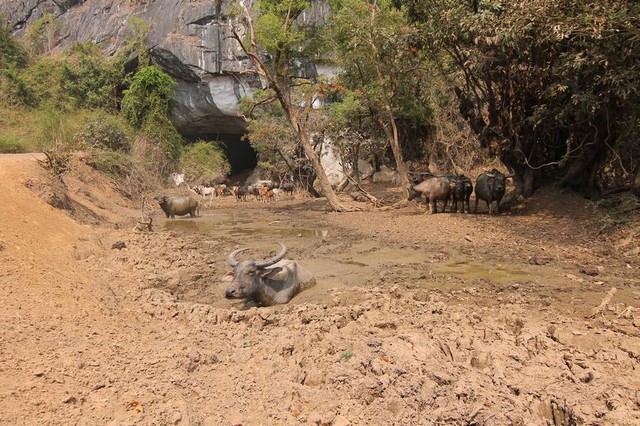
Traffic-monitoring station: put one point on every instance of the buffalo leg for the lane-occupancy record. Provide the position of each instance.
(489, 206)
(475, 210)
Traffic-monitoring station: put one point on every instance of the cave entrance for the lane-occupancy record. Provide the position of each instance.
(241, 155)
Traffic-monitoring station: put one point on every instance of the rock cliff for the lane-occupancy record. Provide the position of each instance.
(189, 39)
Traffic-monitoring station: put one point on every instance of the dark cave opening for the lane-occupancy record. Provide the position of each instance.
(239, 152)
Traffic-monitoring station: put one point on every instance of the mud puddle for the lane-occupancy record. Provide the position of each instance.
(341, 262)
(233, 223)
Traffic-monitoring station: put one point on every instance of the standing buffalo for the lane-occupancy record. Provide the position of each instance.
(490, 187)
(461, 191)
(178, 205)
(288, 188)
(434, 188)
(268, 282)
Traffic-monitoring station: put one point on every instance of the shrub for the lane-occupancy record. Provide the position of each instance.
(10, 144)
(204, 162)
(104, 131)
(43, 82)
(148, 97)
(12, 54)
(114, 163)
(161, 131)
(88, 78)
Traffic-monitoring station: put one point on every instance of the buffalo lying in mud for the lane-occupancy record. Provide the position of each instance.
(267, 282)
(173, 206)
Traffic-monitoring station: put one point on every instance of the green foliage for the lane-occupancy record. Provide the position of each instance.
(161, 131)
(275, 143)
(55, 129)
(11, 144)
(147, 107)
(117, 164)
(148, 97)
(382, 71)
(276, 29)
(80, 78)
(104, 130)
(204, 162)
(17, 128)
(546, 85)
(14, 89)
(42, 34)
(136, 45)
(88, 78)
(44, 86)
(12, 54)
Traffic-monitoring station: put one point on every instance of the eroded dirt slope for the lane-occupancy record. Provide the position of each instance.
(416, 319)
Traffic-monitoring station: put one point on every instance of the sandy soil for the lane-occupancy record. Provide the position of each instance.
(416, 318)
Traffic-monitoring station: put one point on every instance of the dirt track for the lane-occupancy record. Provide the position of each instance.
(416, 319)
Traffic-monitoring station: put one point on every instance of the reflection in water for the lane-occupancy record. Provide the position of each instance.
(235, 224)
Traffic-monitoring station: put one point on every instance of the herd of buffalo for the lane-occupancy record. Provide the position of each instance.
(490, 187)
(457, 189)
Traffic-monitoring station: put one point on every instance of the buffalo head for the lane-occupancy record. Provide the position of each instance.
(249, 276)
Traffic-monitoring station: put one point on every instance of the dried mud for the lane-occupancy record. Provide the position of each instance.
(416, 319)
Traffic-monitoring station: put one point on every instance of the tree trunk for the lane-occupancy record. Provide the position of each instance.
(305, 140)
(355, 168)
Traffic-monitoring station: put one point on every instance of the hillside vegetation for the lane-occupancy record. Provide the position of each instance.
(548, 88)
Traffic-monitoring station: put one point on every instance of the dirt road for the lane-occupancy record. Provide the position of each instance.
(416, 318)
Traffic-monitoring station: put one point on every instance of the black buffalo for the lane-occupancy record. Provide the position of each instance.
(490, 187)
(178, 205)
(461, 189)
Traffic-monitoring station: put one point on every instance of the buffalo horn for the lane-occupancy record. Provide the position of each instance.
(277, 258)
(231, 259)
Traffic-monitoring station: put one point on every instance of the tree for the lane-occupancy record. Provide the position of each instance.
(551, 88)
(147, 106)
(278, 40)
(373, 42)
(354, 133)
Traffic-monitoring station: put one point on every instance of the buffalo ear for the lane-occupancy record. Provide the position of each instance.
(268, 273)
(228, 277)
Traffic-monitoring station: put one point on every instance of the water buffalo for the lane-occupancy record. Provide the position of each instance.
(268, 282)
(490, 187)
(288, 188)
(173, 206)
(434, 188)
(461, 191)
(240, 192)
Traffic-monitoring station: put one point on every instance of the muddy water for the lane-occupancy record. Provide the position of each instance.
(341, 260)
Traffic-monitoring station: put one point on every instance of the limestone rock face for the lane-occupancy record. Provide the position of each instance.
(189, 39)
